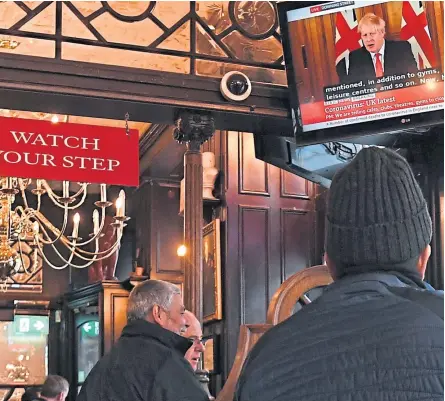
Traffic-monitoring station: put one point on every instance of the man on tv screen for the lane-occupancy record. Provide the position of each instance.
(377, 56)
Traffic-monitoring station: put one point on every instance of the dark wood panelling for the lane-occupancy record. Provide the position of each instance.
(113, 313)
(119, 313)
(159, 228)
(252, 237)
(295, 241)
(254, 263)
(167, 229)
(141, 206)
(253, 173)
(292, 186)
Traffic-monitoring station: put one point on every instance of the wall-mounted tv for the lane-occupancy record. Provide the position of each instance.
(363, 67)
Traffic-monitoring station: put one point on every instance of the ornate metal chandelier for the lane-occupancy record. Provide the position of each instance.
(23, 224)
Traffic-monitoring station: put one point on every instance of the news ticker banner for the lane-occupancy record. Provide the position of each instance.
(386, 97)
(71, 152)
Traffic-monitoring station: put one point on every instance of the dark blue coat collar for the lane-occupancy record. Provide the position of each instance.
(142, 328)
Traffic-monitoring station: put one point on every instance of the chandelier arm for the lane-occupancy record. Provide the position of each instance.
(109, 251)
(61, 205)
(50, 191)
(44, 241)
(102, 224)
(25, 199)
(21, 259)
(73, 253)
(82, 189)
(43, 221)
(67, 262)
(84, 252)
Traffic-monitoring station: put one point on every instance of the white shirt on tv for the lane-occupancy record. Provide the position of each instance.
(382, 56)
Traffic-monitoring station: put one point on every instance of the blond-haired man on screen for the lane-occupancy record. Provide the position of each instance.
(378, 56)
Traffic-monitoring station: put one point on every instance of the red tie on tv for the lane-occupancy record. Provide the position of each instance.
(378, 66)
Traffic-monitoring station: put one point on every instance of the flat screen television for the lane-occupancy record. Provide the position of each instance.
(359, 68)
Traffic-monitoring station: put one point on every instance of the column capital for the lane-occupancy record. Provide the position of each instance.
(194, 127)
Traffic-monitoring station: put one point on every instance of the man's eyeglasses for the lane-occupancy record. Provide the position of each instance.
(197, 340)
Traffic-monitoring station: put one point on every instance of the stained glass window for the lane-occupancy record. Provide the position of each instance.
(204, 38)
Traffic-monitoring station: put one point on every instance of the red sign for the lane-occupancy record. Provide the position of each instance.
(71, 152)
(384, 104)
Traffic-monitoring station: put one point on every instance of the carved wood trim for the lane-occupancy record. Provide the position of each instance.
(110, 296)
(242, 172)
(149, 137)
(283, 302)
(285, 194)
(225, 151)
(283, 212)
(248, 337)
(160, 181)
(241, 232)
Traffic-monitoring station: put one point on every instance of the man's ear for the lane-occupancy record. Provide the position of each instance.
(331, 266)
(423, 261)
(157, 315)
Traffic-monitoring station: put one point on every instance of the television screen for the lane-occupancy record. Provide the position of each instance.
(352, 63)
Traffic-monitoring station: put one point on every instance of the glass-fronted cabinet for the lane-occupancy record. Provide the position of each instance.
(87, 343)
(94, 318)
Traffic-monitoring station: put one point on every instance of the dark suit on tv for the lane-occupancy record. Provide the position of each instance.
(397, 59)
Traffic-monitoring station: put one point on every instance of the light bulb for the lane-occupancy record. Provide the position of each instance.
(181, 251)
(54, 119)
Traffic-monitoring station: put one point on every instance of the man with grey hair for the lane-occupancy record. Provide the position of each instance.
(55, 388)
(147, 362)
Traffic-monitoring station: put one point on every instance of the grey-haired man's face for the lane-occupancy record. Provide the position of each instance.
(173, 319)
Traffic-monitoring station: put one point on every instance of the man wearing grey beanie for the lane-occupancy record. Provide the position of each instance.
(376, 333)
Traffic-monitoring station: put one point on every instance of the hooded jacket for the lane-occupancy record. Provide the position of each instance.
(374, 336)
(146, 364)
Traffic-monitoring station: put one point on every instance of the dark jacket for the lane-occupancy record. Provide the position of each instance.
(369, 337)
(398, 59)
(146, 364)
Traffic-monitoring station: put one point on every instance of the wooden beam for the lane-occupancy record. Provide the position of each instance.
(67, 87)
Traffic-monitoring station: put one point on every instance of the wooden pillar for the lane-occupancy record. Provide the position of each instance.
(193, 129)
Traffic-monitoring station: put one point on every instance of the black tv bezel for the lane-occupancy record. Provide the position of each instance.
(417, 121)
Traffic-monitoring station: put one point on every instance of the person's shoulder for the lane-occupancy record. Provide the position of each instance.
(176, 380)
(398, 44)
(357, 52)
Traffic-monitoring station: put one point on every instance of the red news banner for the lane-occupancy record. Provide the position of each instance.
(374, 105)
(72, 152)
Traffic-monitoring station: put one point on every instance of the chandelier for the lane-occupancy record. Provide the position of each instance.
(25, 224)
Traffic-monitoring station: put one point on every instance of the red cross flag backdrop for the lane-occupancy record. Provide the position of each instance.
(347, 39)
(415, 30)
(71, 152)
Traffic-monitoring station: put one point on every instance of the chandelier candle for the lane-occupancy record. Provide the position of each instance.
(76, 221)
(96, 222)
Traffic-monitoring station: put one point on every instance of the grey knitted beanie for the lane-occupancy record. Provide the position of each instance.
(376, 213)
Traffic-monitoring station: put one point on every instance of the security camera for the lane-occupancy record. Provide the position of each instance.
(236, 86)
